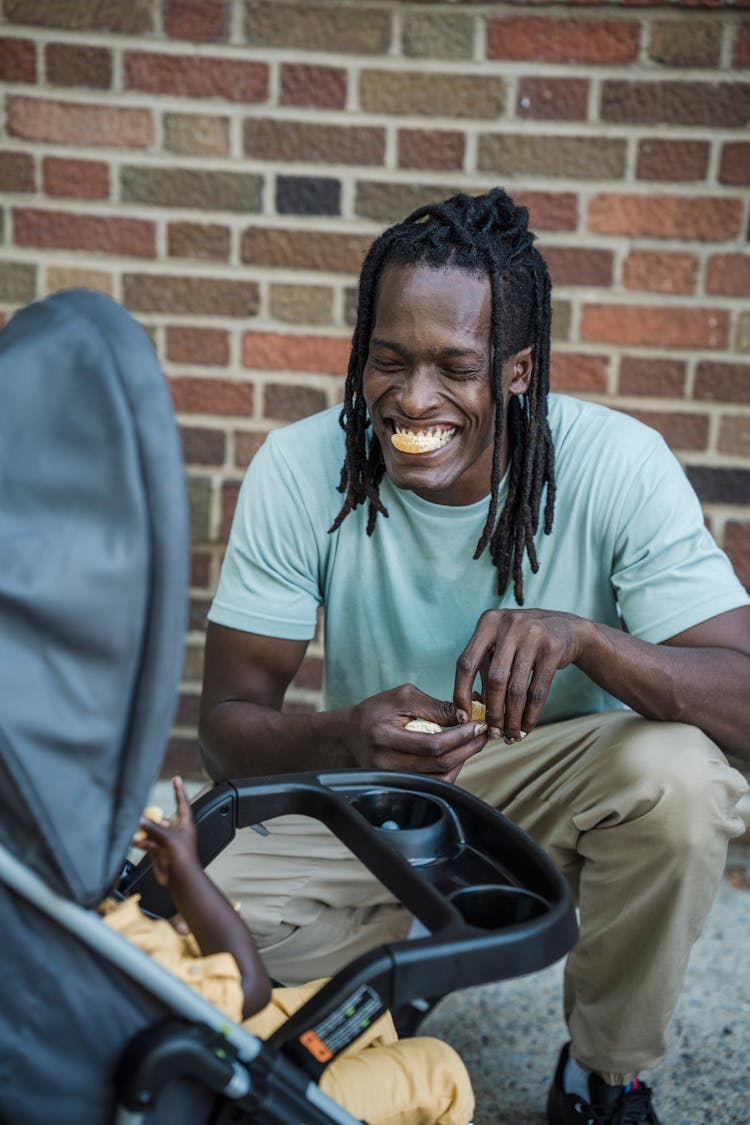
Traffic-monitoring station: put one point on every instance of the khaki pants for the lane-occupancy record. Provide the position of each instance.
(636, 814)
(379, 1078)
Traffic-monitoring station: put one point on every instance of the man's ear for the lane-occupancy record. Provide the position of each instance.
(519, 368)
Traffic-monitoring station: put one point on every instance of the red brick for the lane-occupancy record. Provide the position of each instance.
(563, 40)
(549, 210)
(202, 445)
(318, 87)
(693, 218)
(435, 149)
(16, 171)
(741, 55)
(77, 179)
(203, 241)
(39, 119)
(570, 265)
(269, 139)
(672, 160)
(722, 382)
(68, 64)
(304, 249)
(197, 612)
(725, 485)
(132, 18)
(671, 327)
(211, 396)
(275, 351)
(729, 274)
(246, 445)
(207, 22)
(553, 99)
(737, 546)
(661, 378)
(183, 758)
(287, 402)
(208, 346)
(230, 490)
(571, 371)
(680, 429)
(188, 708)
(735, 163)
(189, 295)
(734, 436)
(200, 569)
(660, 271)
(716, 104)
(17, 60)
(196, 76)
(63, 230)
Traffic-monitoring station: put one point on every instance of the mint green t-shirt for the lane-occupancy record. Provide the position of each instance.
(628, 546)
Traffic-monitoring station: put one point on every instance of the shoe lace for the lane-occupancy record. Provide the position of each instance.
(634, 1108)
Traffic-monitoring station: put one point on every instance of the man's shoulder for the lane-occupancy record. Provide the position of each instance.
(581, 425)
(311, 445)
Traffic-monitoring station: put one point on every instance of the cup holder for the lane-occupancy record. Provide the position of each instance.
(416, 826)
(493, 907)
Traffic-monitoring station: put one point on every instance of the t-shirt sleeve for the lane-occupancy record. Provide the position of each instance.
(667, 571)
(269, 581)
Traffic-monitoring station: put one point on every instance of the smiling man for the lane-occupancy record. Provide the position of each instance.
(494, 539)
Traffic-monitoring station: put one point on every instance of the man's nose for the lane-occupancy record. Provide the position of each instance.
(418, 391)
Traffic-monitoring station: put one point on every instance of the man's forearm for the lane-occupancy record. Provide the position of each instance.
(707, 687)
(241, 739)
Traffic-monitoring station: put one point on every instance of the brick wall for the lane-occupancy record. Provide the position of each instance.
(221, 167)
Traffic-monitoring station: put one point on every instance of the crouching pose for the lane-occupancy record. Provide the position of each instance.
(465, 531)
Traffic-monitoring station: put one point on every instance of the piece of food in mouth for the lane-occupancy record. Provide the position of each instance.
(151, 812)
(422, 441)
(425, 726)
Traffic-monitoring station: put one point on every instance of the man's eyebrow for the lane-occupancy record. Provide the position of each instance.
(444, 353)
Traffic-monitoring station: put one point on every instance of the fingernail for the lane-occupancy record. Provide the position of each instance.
(522, 734)
(494, 733)
(480, 728)
(462, 716)
(508, 741)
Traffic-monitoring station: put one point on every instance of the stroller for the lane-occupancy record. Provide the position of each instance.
(93, 597)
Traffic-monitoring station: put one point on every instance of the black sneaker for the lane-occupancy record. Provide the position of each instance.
(609, 1105)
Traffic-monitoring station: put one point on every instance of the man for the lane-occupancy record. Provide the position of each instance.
(546, 553)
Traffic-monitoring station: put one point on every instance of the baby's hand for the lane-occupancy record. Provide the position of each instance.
(170, 843)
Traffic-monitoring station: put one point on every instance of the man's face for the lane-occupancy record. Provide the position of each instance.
(428, 379)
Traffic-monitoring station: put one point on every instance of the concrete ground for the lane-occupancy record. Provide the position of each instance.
(509, 1033)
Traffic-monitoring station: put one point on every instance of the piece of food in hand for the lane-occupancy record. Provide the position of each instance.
(422, 441)
(151, 812)
(425, 726)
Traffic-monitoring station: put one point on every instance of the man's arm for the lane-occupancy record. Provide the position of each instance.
(700, 676)
(244, 733)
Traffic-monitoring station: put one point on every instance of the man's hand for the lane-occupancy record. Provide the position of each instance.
(516, 652)
(379, 740)
(171, 843)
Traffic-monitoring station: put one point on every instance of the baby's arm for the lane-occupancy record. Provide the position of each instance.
(216, 926)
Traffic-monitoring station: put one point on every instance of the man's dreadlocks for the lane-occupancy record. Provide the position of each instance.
(486, 235)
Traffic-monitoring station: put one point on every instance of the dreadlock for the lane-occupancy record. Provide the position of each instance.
(486, 235)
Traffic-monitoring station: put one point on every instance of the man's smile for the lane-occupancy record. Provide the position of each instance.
(408, 439)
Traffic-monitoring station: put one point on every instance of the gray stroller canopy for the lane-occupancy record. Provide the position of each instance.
(93, 586)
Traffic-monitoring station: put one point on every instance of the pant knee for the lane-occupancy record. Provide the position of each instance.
(682, 783)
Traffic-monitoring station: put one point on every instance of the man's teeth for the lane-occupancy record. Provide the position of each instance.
(421, 441)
